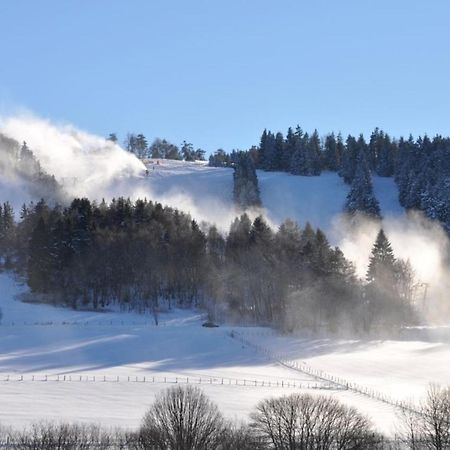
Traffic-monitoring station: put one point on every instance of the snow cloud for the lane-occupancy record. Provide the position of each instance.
(413, 237)
(91, 166)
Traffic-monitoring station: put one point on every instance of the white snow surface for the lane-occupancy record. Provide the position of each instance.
(206, 192)
(45, 341)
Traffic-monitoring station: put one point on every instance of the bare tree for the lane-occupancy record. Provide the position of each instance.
(240, 437)
(182, 418)
(429, 427)
(50, 436)
(303, 421)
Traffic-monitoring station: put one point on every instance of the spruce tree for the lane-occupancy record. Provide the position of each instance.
(381, 268)
(331, 153)
(245, 190)
(361, 198)
(348, 161)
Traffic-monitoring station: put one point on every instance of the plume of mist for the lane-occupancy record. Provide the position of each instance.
(91, 166)
(414, 238)
(86, 165)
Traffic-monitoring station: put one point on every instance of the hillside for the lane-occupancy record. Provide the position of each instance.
(206, 192)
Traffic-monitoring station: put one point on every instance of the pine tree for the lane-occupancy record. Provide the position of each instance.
(314, 152)
(187, 150)
(268, 152)
(268, 156)
(300, 163)
(245, 190)
(141, 146)
(385, 156)
(288, 150)
(348, 161)
(331, 153)
(361, 198)
(381, 268)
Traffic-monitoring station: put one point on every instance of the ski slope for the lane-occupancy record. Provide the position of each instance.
(132, 359)
(206, 192)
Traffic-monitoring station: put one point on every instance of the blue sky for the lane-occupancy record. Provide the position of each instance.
(216, 73)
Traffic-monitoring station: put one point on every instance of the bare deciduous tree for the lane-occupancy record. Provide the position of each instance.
(303, 421)
(50, 436)
(182, 418)
(429, 427)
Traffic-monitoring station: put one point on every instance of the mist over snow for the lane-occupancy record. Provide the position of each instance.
(85, 164)
(414, 238)
(91, 166)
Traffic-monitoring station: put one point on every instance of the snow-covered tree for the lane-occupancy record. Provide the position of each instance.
(245, 190)
(361, 198)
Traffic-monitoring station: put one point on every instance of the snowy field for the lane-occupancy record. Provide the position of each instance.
(123, 360)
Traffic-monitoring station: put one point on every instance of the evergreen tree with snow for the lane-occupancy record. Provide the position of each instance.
(331, 155)
(300, 162)
(389, 288)
(386, 156)
(314, 155)
(382, 261)
(288, 150)
(361, 198)
(141, 146)
(219, 158)
(348, 161)
(188, 152)
(245, 190)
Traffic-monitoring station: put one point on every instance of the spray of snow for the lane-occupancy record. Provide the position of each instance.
(91, 166)
(86, 165)
(414, 238)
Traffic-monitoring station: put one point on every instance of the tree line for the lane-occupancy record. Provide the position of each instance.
(138, 254)
(184, 418)
(420, 167)
(159, 148)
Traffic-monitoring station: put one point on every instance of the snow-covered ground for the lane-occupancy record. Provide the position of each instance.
(135, 357)
(206, 192)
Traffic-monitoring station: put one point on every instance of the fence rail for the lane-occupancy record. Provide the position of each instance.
(77, 323)
(225, 381)
(337, 382)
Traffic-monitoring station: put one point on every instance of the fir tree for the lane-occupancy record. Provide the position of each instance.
(331, 153)
(348, 162)
(245, 190)
(381, 268)
(361, 198)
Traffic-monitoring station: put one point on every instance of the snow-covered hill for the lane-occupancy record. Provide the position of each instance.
(207, 193)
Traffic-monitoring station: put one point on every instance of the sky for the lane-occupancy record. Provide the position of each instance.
(216, 73)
